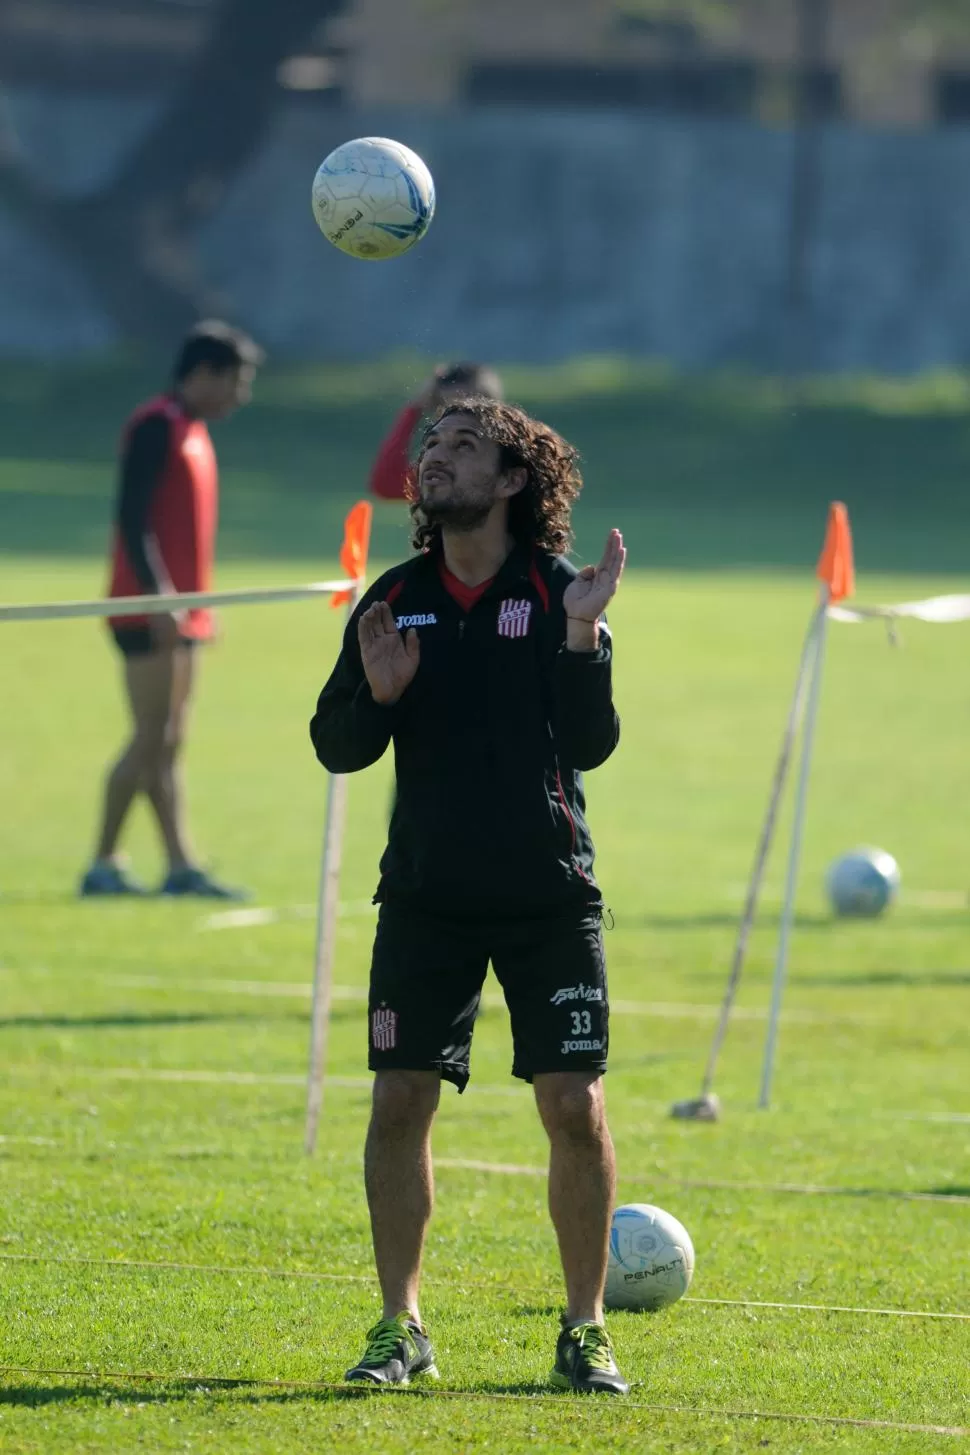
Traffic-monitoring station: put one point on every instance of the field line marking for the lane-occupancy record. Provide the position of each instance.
(927, 1116)
(239, 919)
(164, 1265)
(346, 992)
(237, 1270)
(541, 1396)
(351, 993)
(934, 898)
(829, 1308)
(811, 1190)
(243, 919)
(232, 1078)
(150, 1073)
(807, 1189)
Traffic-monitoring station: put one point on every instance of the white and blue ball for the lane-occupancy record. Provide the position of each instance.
(373, 198)
(863, 883)
(651, 1261)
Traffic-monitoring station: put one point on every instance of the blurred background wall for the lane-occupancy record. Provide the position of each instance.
(779, 183)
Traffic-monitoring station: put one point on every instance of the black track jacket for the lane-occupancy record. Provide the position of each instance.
(490, 741)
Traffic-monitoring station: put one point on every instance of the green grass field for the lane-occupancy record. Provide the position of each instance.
(157, 1214)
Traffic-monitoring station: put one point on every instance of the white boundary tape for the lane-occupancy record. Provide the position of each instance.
(939, 609)
(516, 1290)
(177, 601)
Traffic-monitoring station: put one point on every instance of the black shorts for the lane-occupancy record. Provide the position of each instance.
(426, 985)
(138, 641)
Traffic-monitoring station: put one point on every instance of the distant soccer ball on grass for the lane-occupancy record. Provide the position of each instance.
(373, 198)
(651, 1259)
(863, 883)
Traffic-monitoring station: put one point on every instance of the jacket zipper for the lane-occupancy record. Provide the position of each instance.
(569, 818)
(572, 828)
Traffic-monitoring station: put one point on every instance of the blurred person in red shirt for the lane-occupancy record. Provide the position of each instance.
(164, 541)
(392, 469)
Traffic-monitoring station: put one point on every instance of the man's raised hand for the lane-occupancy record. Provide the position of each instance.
(588, 594)
(389, 660)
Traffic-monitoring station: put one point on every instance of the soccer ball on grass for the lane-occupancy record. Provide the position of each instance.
(863, 883)
(651, 1260)
(373, 198)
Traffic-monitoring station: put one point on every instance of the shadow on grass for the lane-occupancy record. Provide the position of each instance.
(637, 1063)
(245, 1391)
(538, 1311)
(888, 977)
(718, 921)
(553, 1310)
(110, 1391)
(121, 1021)
(36, 1396)
(771, 920)
(101, 903)
(106, 1022)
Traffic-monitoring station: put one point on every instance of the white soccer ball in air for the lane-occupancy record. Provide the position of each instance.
(863, 883)
(373, 198)
(651, 1259)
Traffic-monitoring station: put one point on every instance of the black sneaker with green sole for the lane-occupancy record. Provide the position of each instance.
(585, 1363)
(398, 1350)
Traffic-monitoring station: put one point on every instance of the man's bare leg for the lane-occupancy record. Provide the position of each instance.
(148, 684)
(163, 781)
(400, 1182)
(582, 1184)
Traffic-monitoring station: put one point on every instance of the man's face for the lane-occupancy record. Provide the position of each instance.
(219, 392)
(459, 474)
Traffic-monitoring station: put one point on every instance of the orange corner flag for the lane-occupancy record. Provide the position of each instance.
(836, 568)
(353, 552)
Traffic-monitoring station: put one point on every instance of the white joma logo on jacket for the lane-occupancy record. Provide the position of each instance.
(419, 619)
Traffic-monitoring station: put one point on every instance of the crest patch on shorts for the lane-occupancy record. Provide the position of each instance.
(383, 1029)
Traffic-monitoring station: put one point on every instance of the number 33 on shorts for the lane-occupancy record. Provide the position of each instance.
(581, 1023)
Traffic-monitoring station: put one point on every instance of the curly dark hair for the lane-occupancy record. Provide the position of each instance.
(540, 513)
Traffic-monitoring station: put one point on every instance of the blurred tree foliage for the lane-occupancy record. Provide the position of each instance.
(134, 239)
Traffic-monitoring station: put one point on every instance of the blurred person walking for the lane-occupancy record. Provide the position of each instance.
(164, 541)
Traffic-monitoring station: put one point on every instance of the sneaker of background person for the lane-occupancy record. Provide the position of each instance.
(106, 878)
(196, 882)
